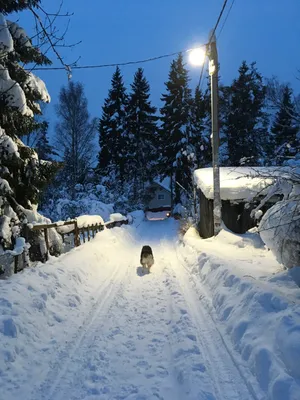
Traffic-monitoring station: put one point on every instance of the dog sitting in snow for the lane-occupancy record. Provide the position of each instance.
(147, 259)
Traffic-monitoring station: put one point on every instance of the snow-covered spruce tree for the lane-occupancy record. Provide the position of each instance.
(42, 146)
(176, 147)
(245, 125)
(113, 137)
(74, 135)
(200, 130)
(142, 130)
(21, 174)
(285, 129)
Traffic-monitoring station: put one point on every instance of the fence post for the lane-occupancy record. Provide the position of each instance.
(76, 235)
(16, 264)
(47, 243)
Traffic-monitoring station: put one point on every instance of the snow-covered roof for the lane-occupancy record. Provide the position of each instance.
(165, 183)
(239, 183)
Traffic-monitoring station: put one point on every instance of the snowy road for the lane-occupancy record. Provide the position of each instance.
(145, 336)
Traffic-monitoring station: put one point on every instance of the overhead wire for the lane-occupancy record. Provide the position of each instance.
(117, 64)
(226, 18)
(134, 62)
(211, 38)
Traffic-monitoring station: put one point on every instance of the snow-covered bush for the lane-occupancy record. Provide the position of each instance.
(280, 231)
(88, 201)
(180, 211)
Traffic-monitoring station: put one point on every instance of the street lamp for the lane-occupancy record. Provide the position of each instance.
(212, 54)
(197, 56)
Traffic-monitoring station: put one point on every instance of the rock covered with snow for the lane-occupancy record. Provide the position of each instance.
(280, 231)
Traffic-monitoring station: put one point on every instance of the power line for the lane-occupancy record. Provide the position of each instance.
(218, 21)
(201, 75)
(115, 64)
(211, 38)
(226, 18)
(136, 61)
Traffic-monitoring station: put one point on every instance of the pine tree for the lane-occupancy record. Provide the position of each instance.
(22, 91)
(285, 129)
(75, 134)
(200, 132)
(142, 129)
(245, 125)
(43, 148)
(177, 150)
(21, 175)
(113, 138)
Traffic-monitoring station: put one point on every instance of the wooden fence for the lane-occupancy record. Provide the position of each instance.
(80, 235)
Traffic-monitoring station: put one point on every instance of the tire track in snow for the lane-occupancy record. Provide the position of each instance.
(105, 295)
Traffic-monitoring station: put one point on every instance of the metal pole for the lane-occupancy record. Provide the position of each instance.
(213, 72)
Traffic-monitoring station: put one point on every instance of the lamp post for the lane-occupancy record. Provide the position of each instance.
(196, 59)
(215, 139)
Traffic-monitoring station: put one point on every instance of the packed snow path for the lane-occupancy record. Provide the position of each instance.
(143, 336)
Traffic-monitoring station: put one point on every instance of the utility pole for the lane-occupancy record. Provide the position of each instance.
(213, 72)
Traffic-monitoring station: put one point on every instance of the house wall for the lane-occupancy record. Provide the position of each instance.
(155, 202)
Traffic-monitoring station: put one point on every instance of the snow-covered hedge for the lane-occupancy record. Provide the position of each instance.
(280, 231)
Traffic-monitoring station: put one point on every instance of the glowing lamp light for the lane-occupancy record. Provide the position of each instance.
(197, 56)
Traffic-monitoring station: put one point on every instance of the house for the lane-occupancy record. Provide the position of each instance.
(242, 188)
(160, 199)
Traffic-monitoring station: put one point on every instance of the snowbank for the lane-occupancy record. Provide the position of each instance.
(280, 231)
(257, 304)
(239, 183)
(136, 217)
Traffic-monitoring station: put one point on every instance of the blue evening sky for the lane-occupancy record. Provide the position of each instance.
(265, 31)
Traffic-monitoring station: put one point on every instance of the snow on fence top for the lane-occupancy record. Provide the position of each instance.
(87, 220)
(117, 217)
(239, 183)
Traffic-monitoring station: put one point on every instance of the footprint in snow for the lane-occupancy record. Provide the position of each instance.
(192, 337)
(161, 371)
(199, 367)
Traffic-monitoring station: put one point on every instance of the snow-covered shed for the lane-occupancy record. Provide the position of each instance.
(241, 190)
(161, 196)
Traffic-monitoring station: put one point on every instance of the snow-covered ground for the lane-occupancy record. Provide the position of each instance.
(91, 325)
